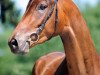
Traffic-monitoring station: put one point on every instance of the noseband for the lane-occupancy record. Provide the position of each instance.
(42, 25)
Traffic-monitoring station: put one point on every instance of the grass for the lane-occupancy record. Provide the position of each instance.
(92, 17)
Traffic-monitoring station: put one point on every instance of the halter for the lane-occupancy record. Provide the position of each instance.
(42, 25)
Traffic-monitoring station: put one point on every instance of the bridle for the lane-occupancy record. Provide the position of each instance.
(42, 25)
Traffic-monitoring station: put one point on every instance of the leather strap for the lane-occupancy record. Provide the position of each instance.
(39, 31)
(48, 17)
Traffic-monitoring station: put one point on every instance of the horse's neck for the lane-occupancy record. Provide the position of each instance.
(80, 52)
(81, 57)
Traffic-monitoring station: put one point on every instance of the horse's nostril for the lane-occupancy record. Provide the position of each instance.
(14, 42)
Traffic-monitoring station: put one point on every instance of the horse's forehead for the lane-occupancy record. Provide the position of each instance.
(31, 2)
(39, 0)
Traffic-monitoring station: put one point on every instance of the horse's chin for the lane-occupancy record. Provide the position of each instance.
(22, 52)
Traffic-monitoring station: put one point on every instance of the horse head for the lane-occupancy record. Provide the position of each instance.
(41, 21)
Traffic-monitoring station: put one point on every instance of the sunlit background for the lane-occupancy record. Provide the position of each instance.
(11, 12)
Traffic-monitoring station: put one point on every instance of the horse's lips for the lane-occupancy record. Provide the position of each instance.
(24, 49)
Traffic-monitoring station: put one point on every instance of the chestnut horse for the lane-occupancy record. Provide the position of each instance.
(45, 19)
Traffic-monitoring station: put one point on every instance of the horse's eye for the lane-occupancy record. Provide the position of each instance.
(42, 7)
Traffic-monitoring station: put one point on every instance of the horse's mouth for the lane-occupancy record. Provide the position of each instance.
(24, 49)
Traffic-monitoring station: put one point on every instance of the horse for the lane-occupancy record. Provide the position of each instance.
(51, 64)
(45, 19)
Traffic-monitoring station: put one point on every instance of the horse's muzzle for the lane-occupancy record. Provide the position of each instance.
(18, 47)
(20, 43)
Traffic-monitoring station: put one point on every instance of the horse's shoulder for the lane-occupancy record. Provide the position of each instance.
(48, 64)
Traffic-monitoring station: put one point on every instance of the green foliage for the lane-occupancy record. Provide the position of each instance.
(92, 17)
(9, 12)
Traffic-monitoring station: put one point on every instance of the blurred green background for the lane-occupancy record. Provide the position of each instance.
(11, 64)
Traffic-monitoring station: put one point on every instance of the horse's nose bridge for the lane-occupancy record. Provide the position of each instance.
(19, 36)
(18, 39)
(22, 32)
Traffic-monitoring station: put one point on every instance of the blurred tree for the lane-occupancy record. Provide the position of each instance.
(9, 13)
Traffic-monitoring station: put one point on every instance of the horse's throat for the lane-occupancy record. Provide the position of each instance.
(80, 52)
